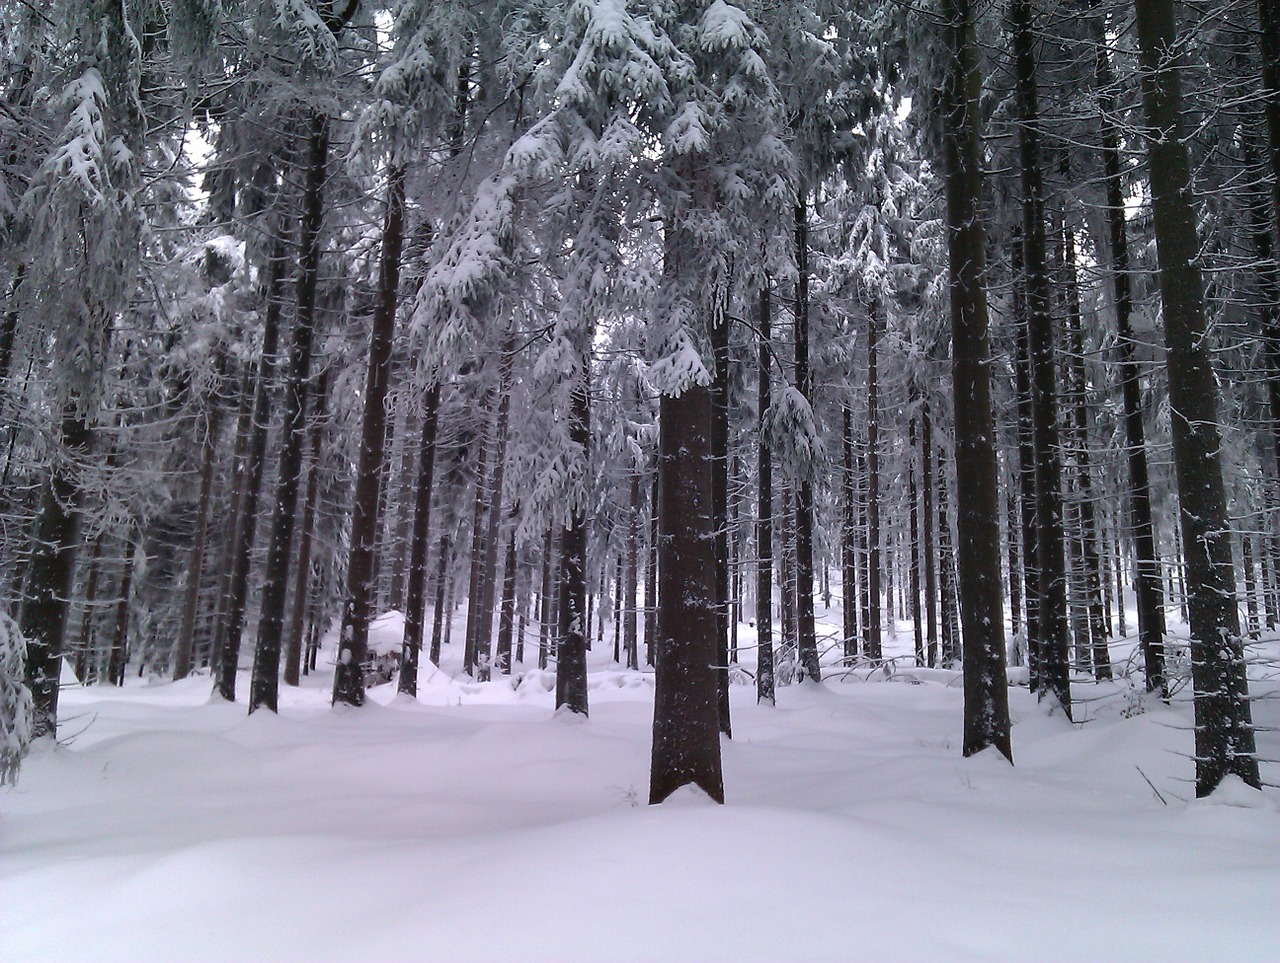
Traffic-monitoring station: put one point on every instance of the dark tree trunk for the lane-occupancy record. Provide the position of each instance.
(51, 568)
(353, 645)
(546, 595)
(475, 570)
(498, 462)
(9, 325)
(507, 609)
(86, 664)
(848, 539)
(874, 650)
(416, 591)
(930, 552)
(119, 657)
(986, 694)
(265, 682)
(228, 661)
(302, 600)
(913, 516)
(686, 738)
(719, 331)
(651, 576)
(787, 563)
(764, 512)
(1224, 742)
(1053, 670)
(444, 597)
(630, 643)
(806, 635)
(571, 644)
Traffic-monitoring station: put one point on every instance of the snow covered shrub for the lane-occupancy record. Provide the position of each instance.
(15, 701)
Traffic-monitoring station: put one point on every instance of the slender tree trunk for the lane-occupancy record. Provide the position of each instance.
(1224, 742)
(787, 561)
(874, 650)
(86, 665)
(228, 661)
(546, 594)
(416, 590)
(806, 635)
(475, 571)
(913, 516)
(571, 646)
(302, 596)
(686, 742)
(764, 511)
(629, 622)
(443, 605)
(1099, 656)
(1054, 677)
(507, 610)
(119, 658)
(930, 552)
(719, 331)
(498, 462)
(195, 564)
(849, 539)
(353, 645)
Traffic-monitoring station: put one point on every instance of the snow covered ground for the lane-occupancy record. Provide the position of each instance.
(474, 824)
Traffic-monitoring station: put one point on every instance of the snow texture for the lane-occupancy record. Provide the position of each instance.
(473, 824)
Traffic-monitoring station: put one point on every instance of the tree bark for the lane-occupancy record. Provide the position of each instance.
(930, 552)
(1052, 668)
(571, 644)
(228, 661)
(719, 331)
(353, 643)
(806, 636)
(686, 738)
(302, 600)
(764, 511)
(1224, 742)
(874, 650)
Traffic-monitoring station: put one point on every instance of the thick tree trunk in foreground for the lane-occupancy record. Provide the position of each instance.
(51, 569)
(1224, 728)
(686, 737)
(986, 706)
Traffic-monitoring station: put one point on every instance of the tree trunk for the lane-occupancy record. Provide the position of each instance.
(507, 610)
(416, 591)
(51, 568)
(651, 576)
(848, 539)
(764, 512)
(719, 332)
(440, 620)
(86, 665)
(353, 645)
(1224, 742)
(986, 694)
(1051, 654)
(874, 650)
(931, 597)
(913, 517)
(246, 526)
(302, 601)
(545, 595)
(686, 738)
(497, 461)
(119, 658)
(1033, 574)
(571, 645)
(195, 564)
(629, 621)
(806, 636)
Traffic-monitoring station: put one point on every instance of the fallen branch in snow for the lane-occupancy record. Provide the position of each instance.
(1151, 784)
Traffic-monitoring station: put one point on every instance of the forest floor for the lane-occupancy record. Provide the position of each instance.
(474, 824)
